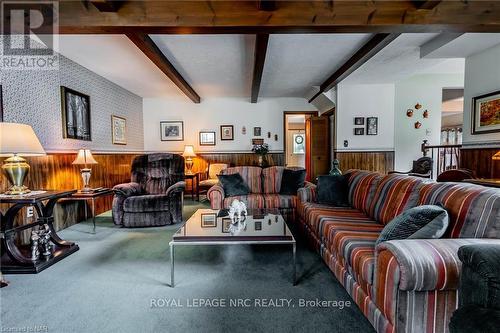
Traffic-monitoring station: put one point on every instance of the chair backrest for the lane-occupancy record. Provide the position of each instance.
(455, 175)
(215, 169)
(423, 165)
(157, 172)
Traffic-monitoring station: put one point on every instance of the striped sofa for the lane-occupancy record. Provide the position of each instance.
(265, 185)
(401, 285)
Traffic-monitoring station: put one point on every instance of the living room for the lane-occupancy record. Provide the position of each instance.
(167, 172)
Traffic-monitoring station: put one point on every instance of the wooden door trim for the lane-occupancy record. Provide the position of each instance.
(285, 113)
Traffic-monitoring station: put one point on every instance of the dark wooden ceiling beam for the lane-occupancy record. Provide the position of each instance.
(261, 42)
(107, 6)
(149, 48)
(266, 5)
(372, 47)
(423, 4)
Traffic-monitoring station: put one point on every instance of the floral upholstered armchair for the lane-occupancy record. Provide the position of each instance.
(154, 195)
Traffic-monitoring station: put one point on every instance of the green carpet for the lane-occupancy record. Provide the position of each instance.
(112, 282)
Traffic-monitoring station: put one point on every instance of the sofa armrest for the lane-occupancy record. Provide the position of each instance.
(216, 196)
(307, 193)
(127, 189)
(480, 278)
(178, 187)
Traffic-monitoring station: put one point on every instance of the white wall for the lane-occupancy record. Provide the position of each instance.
(365, 100)
(482, 76)
(213, 112)
(427, 90)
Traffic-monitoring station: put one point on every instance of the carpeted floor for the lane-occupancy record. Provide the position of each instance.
(118, 282)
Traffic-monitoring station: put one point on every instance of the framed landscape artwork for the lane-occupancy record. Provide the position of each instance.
(227, 132)
(207, 138)
(119, 130)
(486, 113)
(371, 126)
(75, 114)
(172, 131)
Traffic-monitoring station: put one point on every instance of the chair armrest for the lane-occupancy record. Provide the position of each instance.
(127, 189)
(480, 278)
(307, 193)
(216, 196)
(178, 187)
(421, 175)
(399, 172)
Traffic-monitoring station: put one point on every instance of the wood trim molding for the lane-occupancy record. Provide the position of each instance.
(107, 6)
(149, 48)
(261, 42)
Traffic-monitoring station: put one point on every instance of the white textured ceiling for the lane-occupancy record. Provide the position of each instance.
(466, 45)
(117, 59)
(401, 59)
(294, 63)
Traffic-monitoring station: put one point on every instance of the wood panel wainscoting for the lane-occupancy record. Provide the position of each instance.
(55, 171)
(378, 161)
(480, 161)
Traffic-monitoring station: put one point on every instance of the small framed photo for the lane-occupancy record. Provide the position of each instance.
(75, 114)
(359, 131)
(258, 225)
(486, 113)
(207, 138)
(208, 220)
(172, 130)
(371, 126)
(359, 121)
(227, 132)
(226, 223)
(118, 130)
(257, 131)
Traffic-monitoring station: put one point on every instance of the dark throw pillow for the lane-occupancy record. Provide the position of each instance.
(233, 185)
(333, 190)
(291, 181)
(421, 222)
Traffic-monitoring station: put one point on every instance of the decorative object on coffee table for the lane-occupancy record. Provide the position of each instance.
(335, 171)
(85, 158)
(261, 150)
(188, 155)
(119, 130)
(75, 114)
(18, 140)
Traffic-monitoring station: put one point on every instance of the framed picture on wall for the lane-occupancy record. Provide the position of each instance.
(207, 138)
(227, 132)
(75, 114)
(486, 113)
(359, 121)
(172, 131)
(359, 131)
(257, 131)
(371, 126)
(119, 130)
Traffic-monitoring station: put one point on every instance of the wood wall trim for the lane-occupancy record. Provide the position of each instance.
(480, 162)
(378, 161)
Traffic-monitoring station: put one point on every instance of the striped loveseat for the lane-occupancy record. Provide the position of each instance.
(401, 285)
(264, 184)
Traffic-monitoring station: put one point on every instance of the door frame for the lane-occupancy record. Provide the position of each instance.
(285, 113)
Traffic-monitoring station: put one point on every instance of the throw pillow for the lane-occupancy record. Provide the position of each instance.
(233, 185)
(333, 190)
(421, 222)
(291, 181)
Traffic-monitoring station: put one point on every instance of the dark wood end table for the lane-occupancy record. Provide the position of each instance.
(195, 180)
(17, 259)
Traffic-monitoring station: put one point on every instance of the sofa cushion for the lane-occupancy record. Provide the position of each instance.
(393, 195)
(362, 186)
(233, 185)
(280, 201)
(474, 210)
(424, 222)
(146, 203)
(251, 200)
(291, 181)
(251, 175)
(333, 190)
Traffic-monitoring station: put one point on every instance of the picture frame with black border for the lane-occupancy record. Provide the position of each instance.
(207, 138)
(76, 119)
(227, 132)
(485, 108)
(257, 131)
(209, 220)
(371, 125)
(226, 223)
(258, 225)
(359, 131)
(172, 130)
(359, 121)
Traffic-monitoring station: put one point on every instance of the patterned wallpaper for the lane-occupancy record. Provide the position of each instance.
(33, 97)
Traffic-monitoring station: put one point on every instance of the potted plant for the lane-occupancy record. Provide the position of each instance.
(261, 150)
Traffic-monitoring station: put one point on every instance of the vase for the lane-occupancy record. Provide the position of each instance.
(335, 171)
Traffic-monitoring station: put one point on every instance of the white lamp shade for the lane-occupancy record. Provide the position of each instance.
(19, 139)
(189, 151)
(84, 157)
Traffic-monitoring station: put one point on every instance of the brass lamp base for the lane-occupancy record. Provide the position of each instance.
(86, 173)
(16, 169)
(189, 166)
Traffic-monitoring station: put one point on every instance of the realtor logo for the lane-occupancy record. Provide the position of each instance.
(29, 30)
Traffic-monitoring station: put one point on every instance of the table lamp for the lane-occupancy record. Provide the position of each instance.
(18, 140)
(85, 157)
(188, 154)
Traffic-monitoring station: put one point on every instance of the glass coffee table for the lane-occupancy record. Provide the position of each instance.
(214, 227)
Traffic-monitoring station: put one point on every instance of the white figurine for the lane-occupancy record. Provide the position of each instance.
(237, 209)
